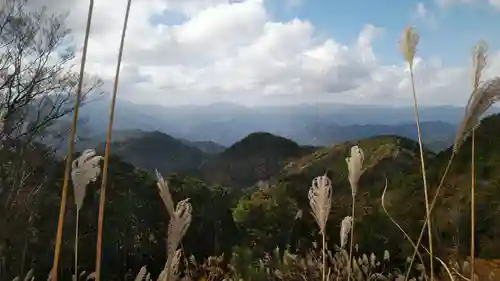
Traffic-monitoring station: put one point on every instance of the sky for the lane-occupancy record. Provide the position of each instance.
(257, 52)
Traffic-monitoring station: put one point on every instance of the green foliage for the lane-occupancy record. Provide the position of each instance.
(212, 217)
(267, 218)
(258, 156)
(156, 150)
(245, 224)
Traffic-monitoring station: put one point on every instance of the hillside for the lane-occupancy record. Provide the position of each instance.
(137, 217)
(456, 193)
(156, 150)
(256, 157)
(208, 147)
(397, 159)
(435, 134)
(386, 156)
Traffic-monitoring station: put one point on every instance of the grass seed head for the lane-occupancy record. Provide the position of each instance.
(165, 193)
(481, 100)
(320, 200)
(345, 229)
(355, 166)
(479, 62)
(408, 44)
(84, 169)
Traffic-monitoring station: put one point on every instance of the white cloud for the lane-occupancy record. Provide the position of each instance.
(421, 11)
(236, 52)
(447, 3)
(495, 3)
(422, 14)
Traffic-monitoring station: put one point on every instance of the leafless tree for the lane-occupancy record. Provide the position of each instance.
(37, 90)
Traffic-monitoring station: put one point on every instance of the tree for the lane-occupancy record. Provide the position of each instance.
(37, 89)
(268, 217)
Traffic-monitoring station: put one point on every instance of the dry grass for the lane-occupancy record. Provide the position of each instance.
(320, 199)
(71, 142)
(85, 169)
(408, 45)
(102, 199)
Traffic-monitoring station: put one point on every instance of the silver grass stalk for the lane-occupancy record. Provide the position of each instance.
(84, 169)
(408, 45)
(142, 274)
(71, 142)
(298, 215)
(180, 220)
(29, 277)
(477, 103)
(165, 193)
(373, 259)
(483, 96)
(91, 276)
(3, 113)
(354, 166)
(479, 62)
(320, 200)
(481, 100)
(345, 230)
(179, 223)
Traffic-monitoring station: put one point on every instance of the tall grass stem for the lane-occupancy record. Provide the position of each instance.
(102, 198)
(352, 238)
(76, 242)
(433, 203)
(71, 142)
(424, 176)
(473, 208)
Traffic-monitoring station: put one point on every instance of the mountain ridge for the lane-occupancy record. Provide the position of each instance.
(227, 123)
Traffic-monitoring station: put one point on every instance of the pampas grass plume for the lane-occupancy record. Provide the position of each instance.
(408, 44)
(345, 229)
(320, 200)
(84, 169)
(165, 193)
(355, 165)
(481, 100)
(180, 220)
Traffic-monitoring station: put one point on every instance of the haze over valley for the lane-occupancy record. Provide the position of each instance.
(308, 124)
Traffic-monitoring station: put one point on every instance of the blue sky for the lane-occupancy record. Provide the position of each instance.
(446, 32)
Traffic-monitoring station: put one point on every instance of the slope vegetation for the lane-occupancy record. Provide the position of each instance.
(256, 157)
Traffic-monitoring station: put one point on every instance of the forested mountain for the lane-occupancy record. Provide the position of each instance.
(264, 216)
(242, 190)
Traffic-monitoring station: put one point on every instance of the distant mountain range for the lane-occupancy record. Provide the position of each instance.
(256, 157)
(311, 124)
